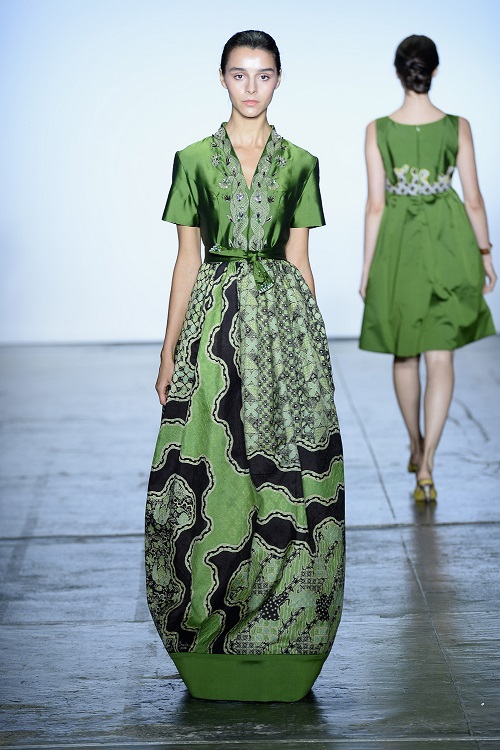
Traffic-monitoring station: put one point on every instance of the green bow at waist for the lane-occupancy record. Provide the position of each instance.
(263, 280)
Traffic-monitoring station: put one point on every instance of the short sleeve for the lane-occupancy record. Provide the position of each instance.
(309, 209)
(182, 201)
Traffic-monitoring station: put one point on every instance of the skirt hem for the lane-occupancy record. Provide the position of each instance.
(404, 353)
(248, 677)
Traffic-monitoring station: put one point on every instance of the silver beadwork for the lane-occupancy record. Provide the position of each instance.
(249, 206)
(419, 183)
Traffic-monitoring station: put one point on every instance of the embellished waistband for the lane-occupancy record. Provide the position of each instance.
(263, 279)
(413, 181)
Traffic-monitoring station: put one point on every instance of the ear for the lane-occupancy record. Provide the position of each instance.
(278, 81)
(221, 77)
(435, 71)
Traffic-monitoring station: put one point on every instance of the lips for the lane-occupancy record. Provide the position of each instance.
(250, 102)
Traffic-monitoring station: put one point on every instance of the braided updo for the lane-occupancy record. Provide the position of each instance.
(416, 59)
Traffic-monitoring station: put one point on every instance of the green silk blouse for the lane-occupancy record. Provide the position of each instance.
(237, 222)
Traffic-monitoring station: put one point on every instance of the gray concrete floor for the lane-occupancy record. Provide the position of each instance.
(416, 663)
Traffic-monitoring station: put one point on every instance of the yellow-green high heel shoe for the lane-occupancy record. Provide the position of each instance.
(425, 492)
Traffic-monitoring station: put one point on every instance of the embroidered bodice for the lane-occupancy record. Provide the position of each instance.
(209, 190)
(249, 205)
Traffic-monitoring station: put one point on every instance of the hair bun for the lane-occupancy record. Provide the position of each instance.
(417, 76)
(416, 59)
(415, 63)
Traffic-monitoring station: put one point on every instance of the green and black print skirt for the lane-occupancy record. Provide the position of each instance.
(245, 510)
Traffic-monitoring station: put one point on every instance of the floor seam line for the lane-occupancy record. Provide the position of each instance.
(139, 535)
(439, 641)
(275, 741)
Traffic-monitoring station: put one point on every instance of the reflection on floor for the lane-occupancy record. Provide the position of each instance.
(416, 663)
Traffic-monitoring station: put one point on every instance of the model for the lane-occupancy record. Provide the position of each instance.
(245, 510)
(427, 259)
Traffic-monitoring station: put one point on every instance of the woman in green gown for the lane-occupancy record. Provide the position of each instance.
(245, 509)
(426, 253)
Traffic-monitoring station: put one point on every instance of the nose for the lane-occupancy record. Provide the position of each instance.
(251, 87)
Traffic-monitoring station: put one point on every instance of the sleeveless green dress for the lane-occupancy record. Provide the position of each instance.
(425, 285)
(245, 509)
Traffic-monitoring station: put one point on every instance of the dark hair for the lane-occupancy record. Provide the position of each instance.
(254, 40)
(416, 58)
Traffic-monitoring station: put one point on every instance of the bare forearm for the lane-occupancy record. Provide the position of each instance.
(373, 217)
(297, 253)
(183, 280)
(305, 269)
(372, 226)
(477, 217)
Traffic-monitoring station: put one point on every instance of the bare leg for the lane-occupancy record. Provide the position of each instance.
(437, 400)
(407, 385)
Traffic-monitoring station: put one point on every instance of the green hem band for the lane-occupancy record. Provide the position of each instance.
(248, 677)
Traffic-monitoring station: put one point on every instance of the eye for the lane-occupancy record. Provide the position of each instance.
(238, 76)
(265, 77)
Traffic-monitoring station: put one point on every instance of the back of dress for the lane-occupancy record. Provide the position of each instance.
(419, 159)
(425, 285)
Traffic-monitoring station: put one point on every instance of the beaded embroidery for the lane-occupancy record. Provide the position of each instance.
(419, 183)
(245, 207)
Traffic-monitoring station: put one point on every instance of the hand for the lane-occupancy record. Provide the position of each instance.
(490, 274)
(164, 377)
(362, 288)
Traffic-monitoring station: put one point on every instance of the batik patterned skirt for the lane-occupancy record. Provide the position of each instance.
(245, 510)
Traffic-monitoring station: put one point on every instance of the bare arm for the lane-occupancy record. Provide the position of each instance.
(375, 202)
(185, 270)
(473, 200)
(297, 252)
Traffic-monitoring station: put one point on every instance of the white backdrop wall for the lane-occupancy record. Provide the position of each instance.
(98, 94)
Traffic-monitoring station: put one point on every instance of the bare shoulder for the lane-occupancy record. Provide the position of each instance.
(464, 131)
(371, 132)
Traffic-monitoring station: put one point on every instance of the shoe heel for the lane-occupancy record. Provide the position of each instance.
(425, 492)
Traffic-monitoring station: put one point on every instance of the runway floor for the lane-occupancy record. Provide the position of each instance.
(416, 663)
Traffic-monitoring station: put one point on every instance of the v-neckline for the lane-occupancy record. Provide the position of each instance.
(248, 187)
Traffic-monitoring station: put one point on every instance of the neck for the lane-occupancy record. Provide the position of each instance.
(416, 102)
(248, 131)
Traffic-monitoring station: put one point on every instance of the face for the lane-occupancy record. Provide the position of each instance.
(251, 79)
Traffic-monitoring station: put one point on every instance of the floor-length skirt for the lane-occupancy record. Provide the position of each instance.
(245, 510)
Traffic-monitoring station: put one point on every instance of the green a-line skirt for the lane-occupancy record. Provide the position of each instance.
(425, 286)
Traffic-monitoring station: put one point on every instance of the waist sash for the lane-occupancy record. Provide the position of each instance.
(218, 254)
